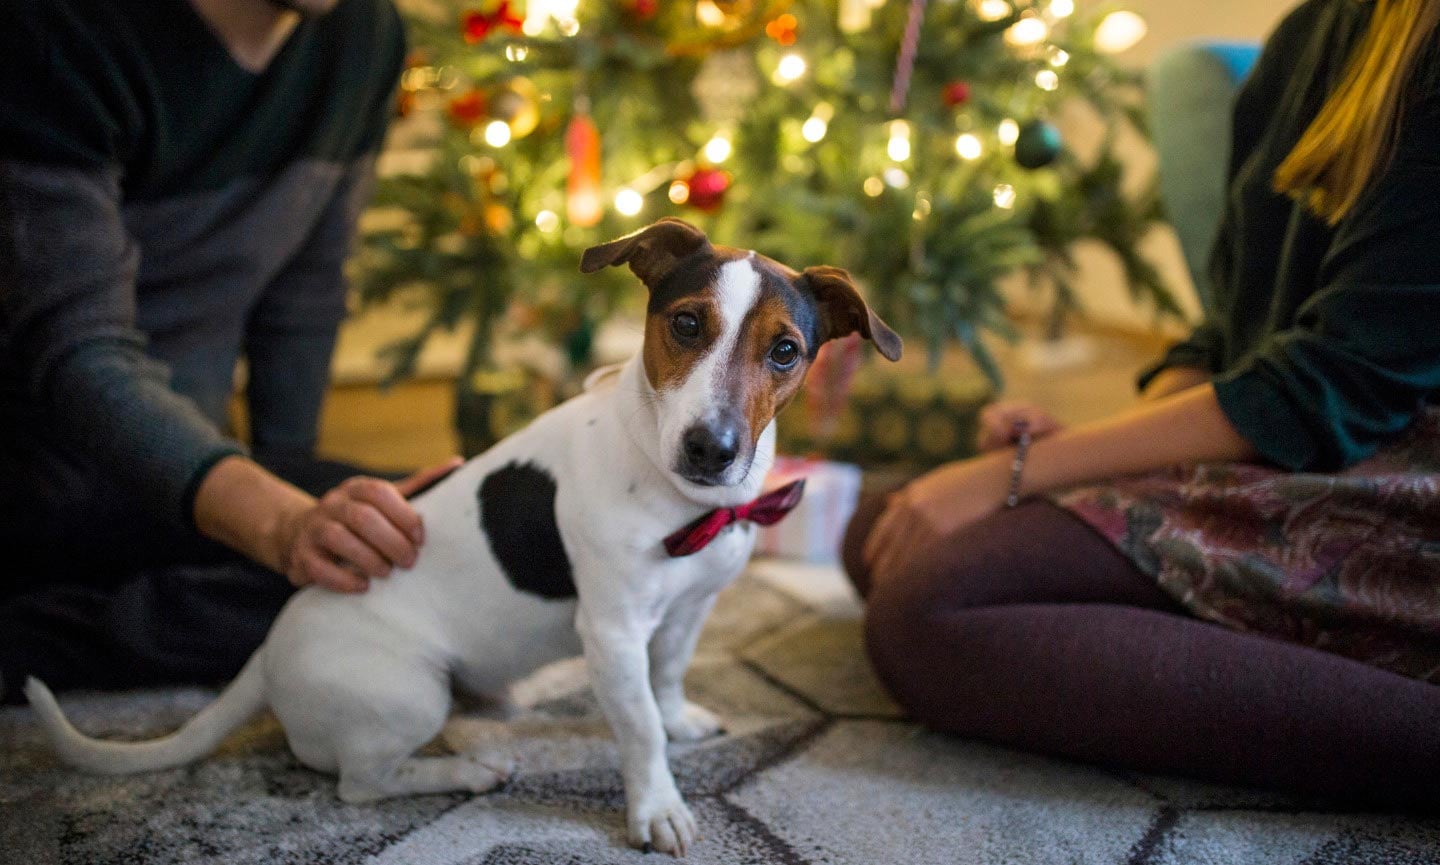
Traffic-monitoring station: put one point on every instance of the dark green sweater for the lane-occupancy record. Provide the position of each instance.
(1324, 341)
(164, 213)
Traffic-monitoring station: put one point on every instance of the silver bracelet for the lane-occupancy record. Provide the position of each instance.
(1017, 465)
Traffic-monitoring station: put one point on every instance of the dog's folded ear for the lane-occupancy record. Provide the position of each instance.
(843, 311)
(651, 252)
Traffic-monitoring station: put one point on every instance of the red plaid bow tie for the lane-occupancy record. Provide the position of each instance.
(767, 510)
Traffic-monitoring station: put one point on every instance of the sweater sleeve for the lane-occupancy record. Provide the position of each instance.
(1364, 352)
(1203, 349)
(67, 304)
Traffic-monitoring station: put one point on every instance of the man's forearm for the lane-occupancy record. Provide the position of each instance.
(1187, 427)
(250, 510)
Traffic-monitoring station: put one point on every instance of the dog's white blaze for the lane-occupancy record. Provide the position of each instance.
(737, 288)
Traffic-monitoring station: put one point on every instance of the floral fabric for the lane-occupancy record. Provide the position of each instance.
(1347, 562)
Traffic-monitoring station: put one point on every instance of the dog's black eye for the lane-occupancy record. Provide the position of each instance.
(685, 325)
(785, 353)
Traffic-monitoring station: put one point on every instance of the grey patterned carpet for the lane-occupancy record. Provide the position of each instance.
(817, 768)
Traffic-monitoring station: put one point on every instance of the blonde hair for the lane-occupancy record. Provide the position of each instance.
(1352, 140)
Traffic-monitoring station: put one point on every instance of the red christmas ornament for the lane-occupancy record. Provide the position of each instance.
(956, 93)
(707, 188)
(467, 109)
(645, 9)
(476, 25)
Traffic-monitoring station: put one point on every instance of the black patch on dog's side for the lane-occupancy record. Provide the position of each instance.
(517, 515)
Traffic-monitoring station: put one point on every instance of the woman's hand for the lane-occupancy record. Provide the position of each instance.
(999, 419)
(358, 531)
(933, 506)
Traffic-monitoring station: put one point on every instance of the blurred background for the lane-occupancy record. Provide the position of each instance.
(1024, 188)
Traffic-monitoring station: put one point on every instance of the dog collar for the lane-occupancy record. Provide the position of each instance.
(767, 510)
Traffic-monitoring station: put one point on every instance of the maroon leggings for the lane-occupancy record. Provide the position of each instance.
(1030, 630)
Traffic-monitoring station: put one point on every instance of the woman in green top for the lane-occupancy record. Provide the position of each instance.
(1257, 600)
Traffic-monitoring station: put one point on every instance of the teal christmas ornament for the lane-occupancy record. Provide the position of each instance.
(1038, 144)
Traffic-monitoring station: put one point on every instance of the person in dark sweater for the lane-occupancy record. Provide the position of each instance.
(1239, 579)
(179, 183)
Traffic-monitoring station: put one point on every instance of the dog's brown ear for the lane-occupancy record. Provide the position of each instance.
(651, 252)
(843, 311)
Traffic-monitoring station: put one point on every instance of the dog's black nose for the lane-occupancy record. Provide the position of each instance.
(711, 450)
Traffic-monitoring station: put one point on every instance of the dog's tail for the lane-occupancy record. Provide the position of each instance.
(200, 736)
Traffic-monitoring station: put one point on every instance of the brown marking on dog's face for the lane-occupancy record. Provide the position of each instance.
(756, 379)
(729, 335)
(670, 356)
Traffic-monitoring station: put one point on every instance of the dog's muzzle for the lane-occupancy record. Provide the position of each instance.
(708, 450)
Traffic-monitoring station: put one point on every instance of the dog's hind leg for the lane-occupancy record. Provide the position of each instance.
(417, 776)
(377, 760)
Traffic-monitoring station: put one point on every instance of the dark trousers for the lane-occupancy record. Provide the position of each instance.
(193, 613)
(1031, 630)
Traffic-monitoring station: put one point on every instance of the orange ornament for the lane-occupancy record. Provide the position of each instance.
(582, 187)
(783, 29)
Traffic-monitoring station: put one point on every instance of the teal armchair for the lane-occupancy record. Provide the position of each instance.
(1191, 93)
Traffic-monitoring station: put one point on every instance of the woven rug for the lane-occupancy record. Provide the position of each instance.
(818, 767)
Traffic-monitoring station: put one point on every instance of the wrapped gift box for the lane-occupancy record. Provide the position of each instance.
(813, 530)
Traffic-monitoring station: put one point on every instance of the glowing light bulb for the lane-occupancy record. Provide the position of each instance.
(679, 192)
(718, 149)
(814, 129)
(791, 67)
(1027, 32)
(1046, 79)
(1008, 132)
(1119, 31)
(968, 146)
(874, 186)
(1062, 8)
(899, 146)
(709, 14)
(516, 53)
(628, 201)
(991, 10)
(497, 133)
(547, 220)
(897, 178)
(1059, 57)
(1004, 196)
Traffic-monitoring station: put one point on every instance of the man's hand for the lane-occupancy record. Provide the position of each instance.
(359, 531)
(934, 506)
(998, 421)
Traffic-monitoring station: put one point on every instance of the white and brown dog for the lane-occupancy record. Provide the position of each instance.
(552, 543)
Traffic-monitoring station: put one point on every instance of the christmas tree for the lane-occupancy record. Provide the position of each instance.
(911, 143)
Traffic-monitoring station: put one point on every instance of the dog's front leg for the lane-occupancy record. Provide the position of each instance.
(656, 816)
(670, 651)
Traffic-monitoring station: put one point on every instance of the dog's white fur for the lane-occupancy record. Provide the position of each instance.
(360, 682)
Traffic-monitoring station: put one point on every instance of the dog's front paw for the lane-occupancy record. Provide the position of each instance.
(662, 823)
(692, 723)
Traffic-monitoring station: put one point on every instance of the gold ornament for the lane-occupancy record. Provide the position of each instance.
(518, 104)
